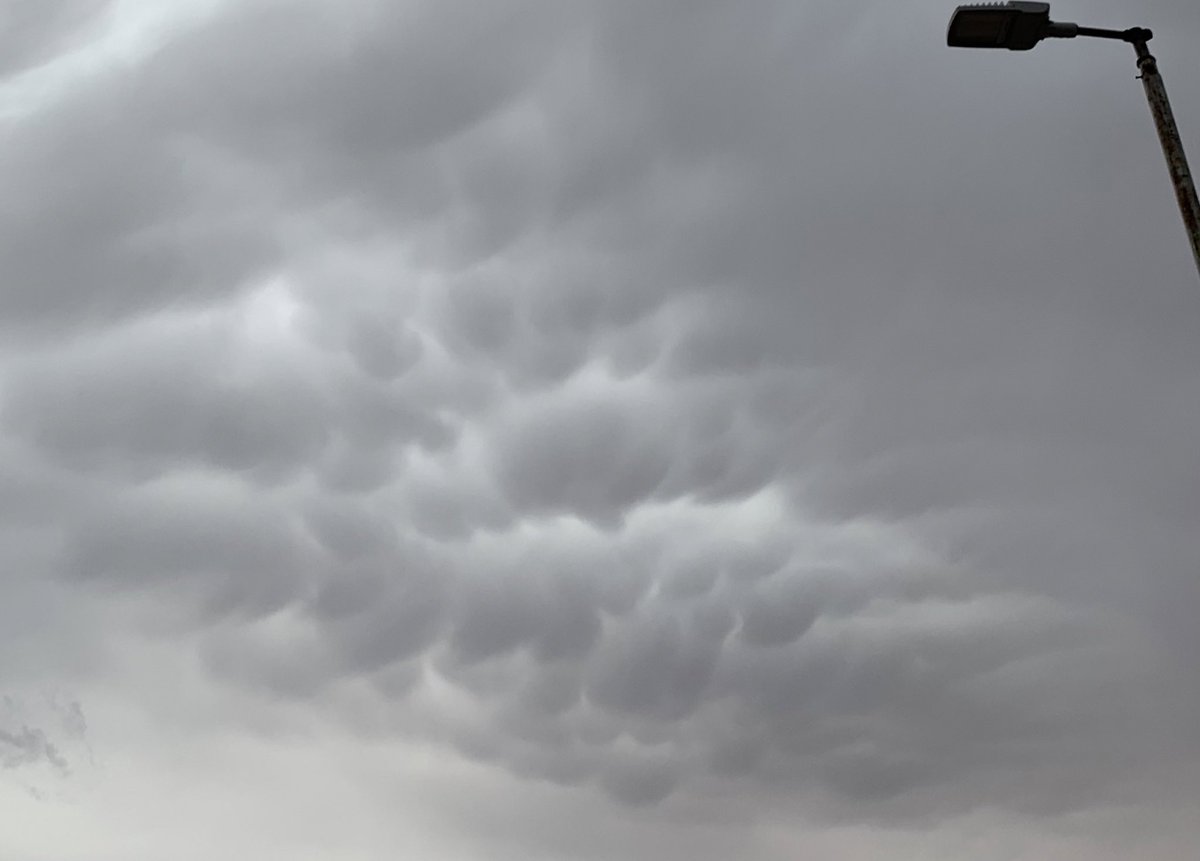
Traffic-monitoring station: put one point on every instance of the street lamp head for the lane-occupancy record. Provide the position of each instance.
(1017, 26)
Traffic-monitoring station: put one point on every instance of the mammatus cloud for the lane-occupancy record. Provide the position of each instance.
(630, 402)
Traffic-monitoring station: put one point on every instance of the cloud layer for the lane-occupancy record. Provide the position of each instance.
(690, 410)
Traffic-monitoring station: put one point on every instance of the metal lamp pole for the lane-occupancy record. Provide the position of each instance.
(1172, 144)
(1019, 26)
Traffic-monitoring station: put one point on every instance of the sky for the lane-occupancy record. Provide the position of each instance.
(566, 430)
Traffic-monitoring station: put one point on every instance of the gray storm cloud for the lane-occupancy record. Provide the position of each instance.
(28, 745)
(34, 33)
(45, 734)
(674, 401)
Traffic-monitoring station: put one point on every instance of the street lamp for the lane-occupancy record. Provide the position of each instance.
(1019, 26)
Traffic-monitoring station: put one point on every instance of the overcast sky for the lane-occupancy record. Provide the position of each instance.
(566, 430)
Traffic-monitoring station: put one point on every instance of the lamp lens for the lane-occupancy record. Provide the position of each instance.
(982, 27)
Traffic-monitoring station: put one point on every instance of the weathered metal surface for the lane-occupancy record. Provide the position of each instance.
(1172, 145)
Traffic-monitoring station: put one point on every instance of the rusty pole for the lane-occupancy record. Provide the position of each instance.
(1172, 145)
